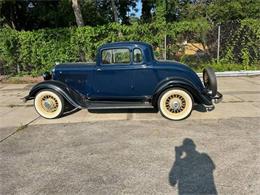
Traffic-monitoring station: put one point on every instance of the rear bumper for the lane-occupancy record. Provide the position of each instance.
(217, 98)
(209, 100)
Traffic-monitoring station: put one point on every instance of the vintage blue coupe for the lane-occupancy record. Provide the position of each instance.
(126, 75)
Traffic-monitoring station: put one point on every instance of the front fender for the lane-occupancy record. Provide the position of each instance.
(183, 83)
(73, 97)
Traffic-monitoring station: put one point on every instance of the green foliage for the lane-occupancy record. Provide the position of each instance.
(220, 11)
(195, 62)
(244, 43)
(30, 15)
(245, 58)
(9, 46)
(223, 66)
(37, 51)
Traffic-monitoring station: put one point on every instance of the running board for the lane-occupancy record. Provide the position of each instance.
(117, 105)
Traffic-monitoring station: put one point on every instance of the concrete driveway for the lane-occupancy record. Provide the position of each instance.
(133, 152)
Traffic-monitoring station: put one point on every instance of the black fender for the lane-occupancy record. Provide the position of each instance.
(179, 82)
(73, 97)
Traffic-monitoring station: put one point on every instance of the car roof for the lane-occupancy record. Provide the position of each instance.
(126, 44)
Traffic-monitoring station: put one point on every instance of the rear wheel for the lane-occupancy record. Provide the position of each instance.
(49, 104)
(175, 104)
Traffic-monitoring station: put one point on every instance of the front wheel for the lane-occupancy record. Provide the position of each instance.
(175, 104)
(49, 104)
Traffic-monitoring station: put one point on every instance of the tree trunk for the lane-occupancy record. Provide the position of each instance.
(77, 12)
(114, 10)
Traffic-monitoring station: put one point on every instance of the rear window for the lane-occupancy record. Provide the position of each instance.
(138, 56)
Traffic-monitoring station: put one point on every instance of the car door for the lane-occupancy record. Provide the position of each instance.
(112, 78)
(145, 78)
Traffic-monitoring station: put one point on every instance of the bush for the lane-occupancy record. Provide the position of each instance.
(33, 52)
(37, 51)
(243, 44)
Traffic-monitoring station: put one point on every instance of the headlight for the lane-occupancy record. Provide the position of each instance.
(46, 76)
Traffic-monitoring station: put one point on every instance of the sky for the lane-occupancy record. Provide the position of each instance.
(139, 7)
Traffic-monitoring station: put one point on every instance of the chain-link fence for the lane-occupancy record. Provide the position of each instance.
(233, 44)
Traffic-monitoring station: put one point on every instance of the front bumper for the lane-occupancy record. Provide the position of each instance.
(26, 98)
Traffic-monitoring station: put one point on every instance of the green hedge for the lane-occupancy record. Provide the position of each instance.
(37, 51)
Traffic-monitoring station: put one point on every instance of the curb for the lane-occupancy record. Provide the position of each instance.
(236, 73)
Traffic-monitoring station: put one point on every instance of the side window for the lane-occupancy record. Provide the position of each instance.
(107, 57)
(138, 56)
(116, 56)
(121, 56)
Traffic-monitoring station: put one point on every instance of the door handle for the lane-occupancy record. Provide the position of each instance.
(99, 69)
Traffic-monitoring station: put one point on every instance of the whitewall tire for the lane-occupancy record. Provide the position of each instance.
(175, 104)
(49, 104)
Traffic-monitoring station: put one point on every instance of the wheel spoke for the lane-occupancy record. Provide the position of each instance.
(49, 103)
(175, 103)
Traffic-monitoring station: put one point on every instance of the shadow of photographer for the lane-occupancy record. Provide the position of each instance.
(192, 171)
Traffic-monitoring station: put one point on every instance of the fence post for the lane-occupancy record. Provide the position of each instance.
(165, 47)
(18, 68)
(218, 43)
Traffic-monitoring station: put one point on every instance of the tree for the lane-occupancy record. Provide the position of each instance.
(124, 8)
(147, 7)
(215, 11)
(29, 15)
(171, 10)
(220, 11)
(114, 10)
(26, 15)
(96, 12)
(77, 12)
(160, 11)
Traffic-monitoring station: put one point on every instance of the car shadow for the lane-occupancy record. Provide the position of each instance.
(143, 110)
(71, 110)
(192, 171)
(68, 110)
(203, 108)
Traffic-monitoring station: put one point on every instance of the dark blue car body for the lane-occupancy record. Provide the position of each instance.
(84, 83)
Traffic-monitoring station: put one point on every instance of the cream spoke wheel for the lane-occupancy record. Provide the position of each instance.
(175, 104)
(49, 104)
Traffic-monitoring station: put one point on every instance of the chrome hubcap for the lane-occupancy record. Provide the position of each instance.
(49, 103)
(175, 103)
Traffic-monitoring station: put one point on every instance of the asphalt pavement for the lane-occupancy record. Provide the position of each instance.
(133, 152)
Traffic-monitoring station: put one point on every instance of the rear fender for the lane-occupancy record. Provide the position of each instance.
(183, 83)
(73, 97)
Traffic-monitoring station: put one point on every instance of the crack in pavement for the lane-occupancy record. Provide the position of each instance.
(16, 105)
(20, 128)
(239, 92)
(239, 101)
(250, 81)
